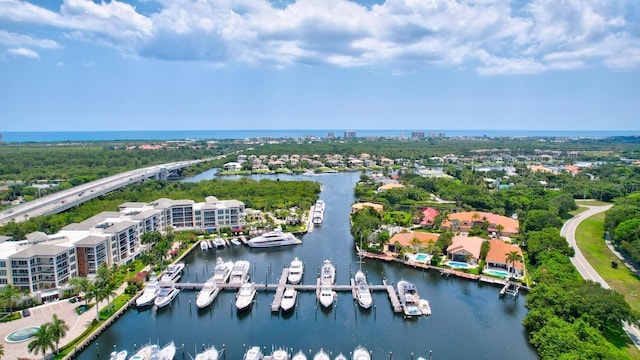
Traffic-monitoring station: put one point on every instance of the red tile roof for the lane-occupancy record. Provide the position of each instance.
(499, 250)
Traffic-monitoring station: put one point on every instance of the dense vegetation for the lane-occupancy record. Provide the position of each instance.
(623, 224)
(262, 195)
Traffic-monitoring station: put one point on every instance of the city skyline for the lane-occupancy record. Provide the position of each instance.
(78, 65)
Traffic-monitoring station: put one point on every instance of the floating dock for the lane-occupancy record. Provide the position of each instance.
(277, 299)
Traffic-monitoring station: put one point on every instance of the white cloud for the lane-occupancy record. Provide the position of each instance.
(13, 39)
(24, 52)
(492, 36)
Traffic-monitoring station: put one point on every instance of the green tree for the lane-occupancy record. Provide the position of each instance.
(546, 240)
(58, 329)
(43, 340)
(537, 220)
(484, 249)
(80, 285)
(628, 230)
(513, 257)
(150, 238)
(10, 295)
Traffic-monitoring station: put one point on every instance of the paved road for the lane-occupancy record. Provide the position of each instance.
(584, 268)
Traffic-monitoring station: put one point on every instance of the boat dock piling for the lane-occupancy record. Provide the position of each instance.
(277, 299)
(393, 297)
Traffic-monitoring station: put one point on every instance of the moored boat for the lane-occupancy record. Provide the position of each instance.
(219, 243)
(208, 354)
(149, 294)
(361, 353)
(273, 239)
(240, 272)
(328, 274)
(254, 353)
(168, 352)
(235, 242)
(299, 356)
(288, 299)
(222, 271)
(296, 269)
(341, 357)
(363, 294)
(208, 293)
(168, 291)
(327, 296)
(173, 272)
(204, 246)
(146, 352)
(409, 298)
(321, 355)
(118, 355)
(424, 307)
(280, 354)
(245, 296)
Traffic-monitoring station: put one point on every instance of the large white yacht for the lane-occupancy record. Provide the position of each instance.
(361, 353)
(222, 271)
(168, 352)
(208, 293)
(118, 355)
(328, 275)
(299, 356)
(168, 291)
(326, 296)
(296, 268)
(245, 296)
(149, 294)
(318, 213)
(321, 355)
(240, 272)
(363, 294)
(409, 298)
(273, 239)
(254, 353)
(280, 354)
(288, 299)
(208, 354)
(173, 272)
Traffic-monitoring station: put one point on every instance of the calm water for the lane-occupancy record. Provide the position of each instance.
(468, 321)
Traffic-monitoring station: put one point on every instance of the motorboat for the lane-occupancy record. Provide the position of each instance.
(328, 274)
(245, 296)
(296, 268)
(280, 354)
(168, 352)
(363, 294)
(149, 294)
(168, 291)
(204, 246)
(299, 356)
(254, 353)
(273, 239)
(424, 307)
(327, 296)
(409, 298)
(222, 271)
(361, 353)
(219, 243)
(208, 354)
(341, 357)
(240, 272)
(173, 272)
(318, 213)
(208, 293)
(235, 242)
(118, 355)
(321, 355)
(146, 352)
(288, 299)
(319, 206)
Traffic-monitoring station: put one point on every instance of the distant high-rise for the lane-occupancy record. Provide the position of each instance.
(417, 135)
(350, 134)
(331, 135)
(435, 135)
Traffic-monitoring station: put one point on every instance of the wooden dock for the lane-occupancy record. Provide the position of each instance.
(393, 297)
(277, 299)
(354, 289)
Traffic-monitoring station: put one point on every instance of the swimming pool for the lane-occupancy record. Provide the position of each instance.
(497, 273)
(457, 264)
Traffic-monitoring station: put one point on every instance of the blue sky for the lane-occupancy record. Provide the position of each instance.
(319, 64)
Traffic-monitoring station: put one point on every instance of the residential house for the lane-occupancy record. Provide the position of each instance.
(428, 216)
(414, 239)
(497, 258)
(232, 166)
(390, 186)
(359, 206)
(464, 221)
(465, 249)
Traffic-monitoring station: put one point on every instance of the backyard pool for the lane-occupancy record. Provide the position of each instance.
(496, 273)
(457, 264)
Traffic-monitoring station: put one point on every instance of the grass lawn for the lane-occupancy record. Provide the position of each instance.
(622, 280)
(592, 203)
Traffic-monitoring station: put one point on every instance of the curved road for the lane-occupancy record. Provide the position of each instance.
(582, 265)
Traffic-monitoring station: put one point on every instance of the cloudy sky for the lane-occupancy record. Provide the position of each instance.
(319, 64)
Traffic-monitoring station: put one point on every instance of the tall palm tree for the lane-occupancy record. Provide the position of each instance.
(513, 257)
(103, 275)
(1, 350)
(10, 295)
(58, 329)
(80, 285)
(43, 340)
(110, 291)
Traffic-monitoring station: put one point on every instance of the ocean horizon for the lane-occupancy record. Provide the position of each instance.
(148, 135)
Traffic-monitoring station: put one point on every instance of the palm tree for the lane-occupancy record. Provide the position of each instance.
(80, 285)
(499, 229)
(109, 291)
(513, 257)
(58, 329)
(1, 350)
(103, 275)
(10, 294)
(43, 340)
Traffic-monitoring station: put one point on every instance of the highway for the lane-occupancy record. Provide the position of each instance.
(66, 199)
(582, 265)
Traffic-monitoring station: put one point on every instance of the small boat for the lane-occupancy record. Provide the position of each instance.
(341, 357)
(245, 296)
(363, 294)
(204, 246)
(327, 296)
(168, 291)
(168, 352)
(280, 354)
(235, 242)
(222, 271)
(118, 355)
(173, 272)
(361, 353)
(240, 272)
(321, 355)
(146, 352)
(409, 298)
(273, 239)
(328, 275)
(424, 307)
(299, 356)
(288, 299)
(219, 243)
(208, 293)
(149, 294)
(254, 353)
(296, 268)
(208, 354)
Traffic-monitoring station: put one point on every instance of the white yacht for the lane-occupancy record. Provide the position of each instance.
(245, 296)
(296, 268)
(328, 275)
(327, 296)
(361, 353)
(409, 298)
(254, 353)
(424, 307)
(149, 294)
(168, 352)
(204, 246)
(118, 355)
(146, 352)
(240, 272)
(168, 291)
(340, 357)
(288, 299)
(173, 272)
(208, 354)
(273, 239)
(299, 356)
(208, 293)
(318, 213)
(219, 243)
(280, 354)
(222, 271)
(363, 294)
(321, 355)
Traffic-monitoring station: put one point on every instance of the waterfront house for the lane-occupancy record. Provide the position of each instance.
(413, 239)
(390, 186)
(428, 216)
(464, 221)
(465, 249)
(232, 166)
(359, 206)
(497, 258)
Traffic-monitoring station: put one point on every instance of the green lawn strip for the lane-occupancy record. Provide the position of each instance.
(592, 203)
(579, 210)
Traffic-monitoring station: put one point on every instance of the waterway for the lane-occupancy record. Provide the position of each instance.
(469, 320)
